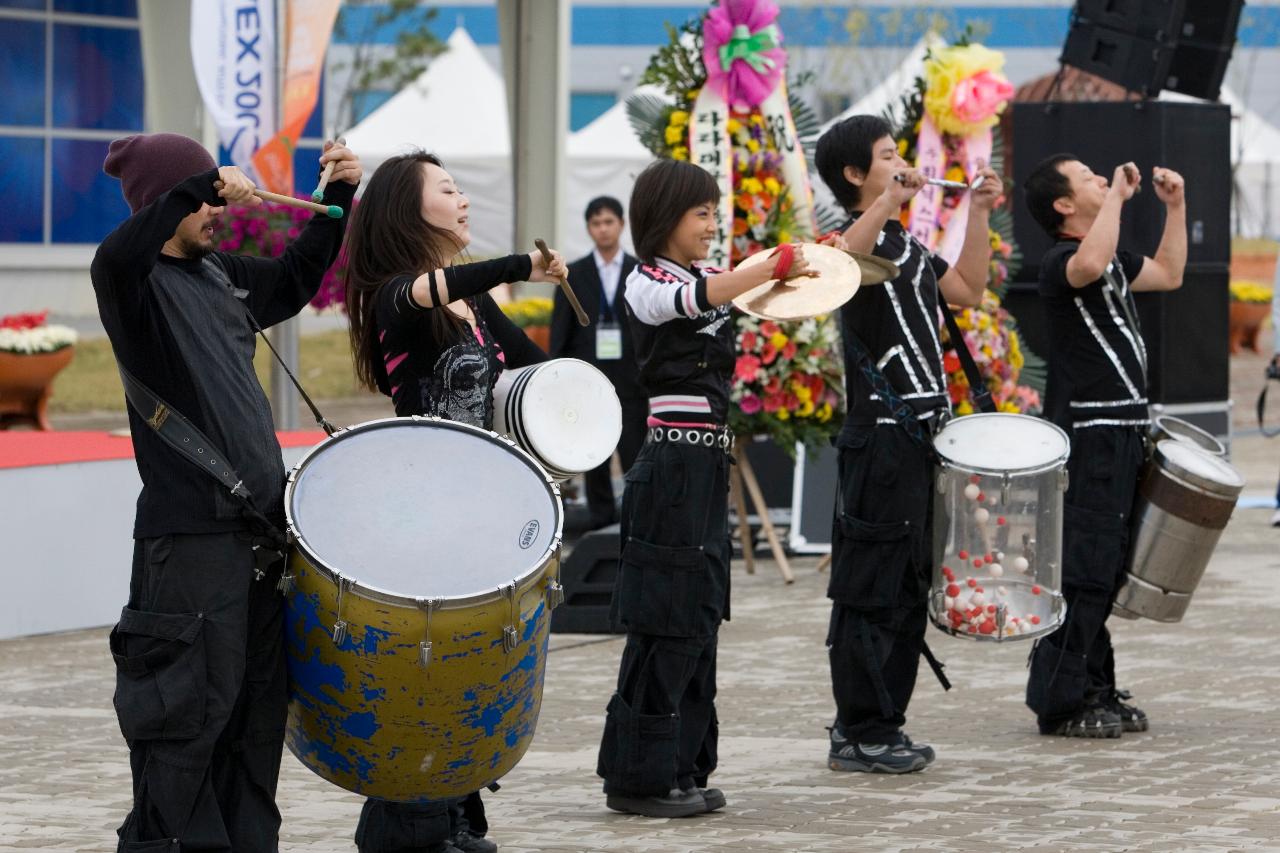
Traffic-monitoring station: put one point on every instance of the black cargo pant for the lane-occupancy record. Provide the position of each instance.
(201, 695)
(1074, 667)
(403, 827)
(672, 591)
(880, 546)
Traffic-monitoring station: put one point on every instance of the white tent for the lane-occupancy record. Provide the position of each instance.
(604, 158)
(456, 109)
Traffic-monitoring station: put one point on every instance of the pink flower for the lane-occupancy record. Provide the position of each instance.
(769, 354)
(750, 404)
(746, 368)
(742, 50)
(979, 97)
(749, 341)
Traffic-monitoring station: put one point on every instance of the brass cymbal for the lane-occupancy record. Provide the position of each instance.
(875, 270)
(839, 277)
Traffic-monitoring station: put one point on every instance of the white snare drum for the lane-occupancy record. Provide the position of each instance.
(1185, 499)
(998, 511)
(563, 412)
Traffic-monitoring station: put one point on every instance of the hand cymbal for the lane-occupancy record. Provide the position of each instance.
(839, 277)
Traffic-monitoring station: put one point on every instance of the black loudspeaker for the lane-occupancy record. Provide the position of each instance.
(588, 574)
(1186, 336)
(1193, 139)
(1185, 331)
(1150, 45)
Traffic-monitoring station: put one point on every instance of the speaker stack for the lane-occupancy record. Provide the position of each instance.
(1186, 330)
(1151, 45)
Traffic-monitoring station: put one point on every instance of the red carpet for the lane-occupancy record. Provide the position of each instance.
(24, 448)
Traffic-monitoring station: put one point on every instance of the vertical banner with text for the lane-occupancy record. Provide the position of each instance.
(711, 149)
(307, 27)
(233, 53)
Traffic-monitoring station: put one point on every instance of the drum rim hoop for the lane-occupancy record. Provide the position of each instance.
(1219, 449)
(300, 544)
(1221, 491)
(1059, 462)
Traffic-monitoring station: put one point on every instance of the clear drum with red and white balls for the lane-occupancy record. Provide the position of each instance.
(997, 527)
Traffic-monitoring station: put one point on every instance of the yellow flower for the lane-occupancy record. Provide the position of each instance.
(784, 236)
(751, 185)
(757, 119)
(955, 173)
(782, 414)
(824, 413)
(674, 134)
(1010, 407)
(771, 184)
(806, 409)
(733, 125)
(964, 407)
(680, 152)
(753, 146)
(902, 147)
(779, 340)
(943, 70)
(693, 94)
(679, 117)
(803, 393)
(1249, 291)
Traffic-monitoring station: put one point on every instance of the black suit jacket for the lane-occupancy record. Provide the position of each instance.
(569, 340)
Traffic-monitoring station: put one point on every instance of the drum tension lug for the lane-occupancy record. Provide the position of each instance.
(340, 626)
(426, 605)
(1006, 483)
(285, 585)
(510, 637)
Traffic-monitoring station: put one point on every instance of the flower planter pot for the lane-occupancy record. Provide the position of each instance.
(540, 335)
(1244, 321)
(26, 381)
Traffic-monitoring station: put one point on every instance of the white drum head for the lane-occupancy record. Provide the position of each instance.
(1001, 442)
(417, 508)
(571, 415)
(1193, 460)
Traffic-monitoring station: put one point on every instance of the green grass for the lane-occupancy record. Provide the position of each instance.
(92, 384)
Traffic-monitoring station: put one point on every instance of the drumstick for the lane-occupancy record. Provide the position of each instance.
(318, 193)
(583, 319)
(951, 185)
(330, 210)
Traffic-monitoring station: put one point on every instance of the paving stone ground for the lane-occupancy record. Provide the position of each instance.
(1205, 778)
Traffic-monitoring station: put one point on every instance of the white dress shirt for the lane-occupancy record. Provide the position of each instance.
(610, 273)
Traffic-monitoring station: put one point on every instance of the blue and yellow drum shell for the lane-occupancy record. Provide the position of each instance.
(367, 715)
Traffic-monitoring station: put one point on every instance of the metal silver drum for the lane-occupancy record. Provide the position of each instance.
(1185, 499)
(997, 573)
(420, 584)
(1168, 427)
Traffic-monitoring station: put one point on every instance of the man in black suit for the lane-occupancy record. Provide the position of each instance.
(599, 280)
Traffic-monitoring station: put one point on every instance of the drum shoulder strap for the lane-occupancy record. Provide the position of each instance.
(978, 390)
(192, 444)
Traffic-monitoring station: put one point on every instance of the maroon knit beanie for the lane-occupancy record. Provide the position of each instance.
(150, 164)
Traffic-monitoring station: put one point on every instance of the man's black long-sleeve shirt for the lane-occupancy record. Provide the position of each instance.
(177, 327)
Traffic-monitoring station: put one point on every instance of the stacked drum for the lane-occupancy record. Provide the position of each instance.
(998, 527)
(1185, 499)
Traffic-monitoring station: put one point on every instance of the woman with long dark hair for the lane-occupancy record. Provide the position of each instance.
(425, 332)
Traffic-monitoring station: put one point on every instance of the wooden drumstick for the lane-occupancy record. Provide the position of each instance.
(318, 193)
(583, 319)
(330, 210)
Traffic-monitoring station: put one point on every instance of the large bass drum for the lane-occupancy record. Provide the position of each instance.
(425, 561)
(1185, 499)
(997, 573)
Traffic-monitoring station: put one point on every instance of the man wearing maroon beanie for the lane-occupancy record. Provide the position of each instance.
(200, 679)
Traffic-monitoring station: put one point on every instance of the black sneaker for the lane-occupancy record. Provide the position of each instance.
(713, 797)
(872, 757)
(676, 803)
(922, 749)
(1094, 722)
(1131, 719)
(469, 842)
